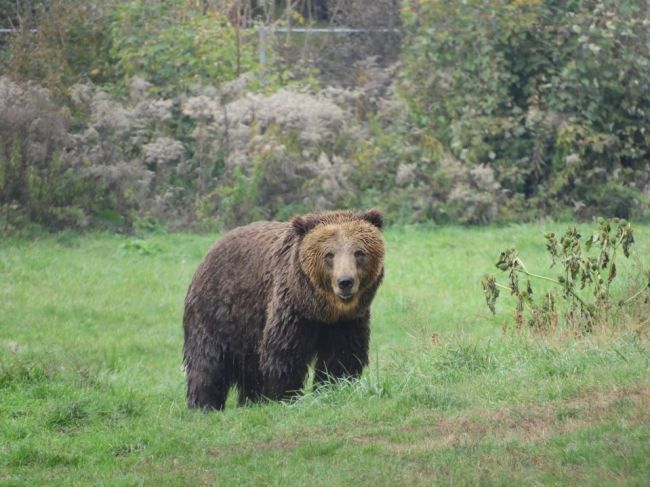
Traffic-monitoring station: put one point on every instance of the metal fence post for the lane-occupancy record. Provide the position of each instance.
(262, 47)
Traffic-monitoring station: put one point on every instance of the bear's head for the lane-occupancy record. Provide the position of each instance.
(342, 254)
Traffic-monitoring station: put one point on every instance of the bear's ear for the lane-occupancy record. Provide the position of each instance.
(374, 217)
(302, 225)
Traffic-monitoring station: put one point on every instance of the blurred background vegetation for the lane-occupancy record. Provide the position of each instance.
(204, 114)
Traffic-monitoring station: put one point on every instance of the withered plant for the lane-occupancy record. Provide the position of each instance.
(588, 268)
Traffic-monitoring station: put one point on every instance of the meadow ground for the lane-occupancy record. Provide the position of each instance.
(92, 390)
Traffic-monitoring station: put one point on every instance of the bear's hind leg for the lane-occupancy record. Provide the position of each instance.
(248, 395)
(249, 381)
(208, 378)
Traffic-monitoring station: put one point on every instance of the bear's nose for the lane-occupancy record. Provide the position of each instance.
(345, 283)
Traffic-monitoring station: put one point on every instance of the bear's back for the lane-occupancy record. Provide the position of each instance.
(233, 282)
(239, 258)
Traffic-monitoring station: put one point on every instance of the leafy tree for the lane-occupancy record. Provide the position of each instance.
(71, 43)
(553, 94)
(174, 46)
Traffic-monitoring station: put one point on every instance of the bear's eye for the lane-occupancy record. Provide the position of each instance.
(359, 254)
(329, 256)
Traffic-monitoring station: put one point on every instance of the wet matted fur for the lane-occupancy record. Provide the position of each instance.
(271, 296)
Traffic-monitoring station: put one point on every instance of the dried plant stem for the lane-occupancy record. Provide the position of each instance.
(528, 273)
(634, 296)
(585, 306)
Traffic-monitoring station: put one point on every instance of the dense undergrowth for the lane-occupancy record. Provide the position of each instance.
(123, 115)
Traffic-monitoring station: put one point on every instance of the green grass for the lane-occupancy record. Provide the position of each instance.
(92, 390)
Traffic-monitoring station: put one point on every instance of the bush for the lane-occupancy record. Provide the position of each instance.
(37, 182)
(71, 44)
(174, 46)
(117, 164)
(280, 153)
(553, 96)
(499, 110)
(414, 178)
(192, 159)
(171, 44)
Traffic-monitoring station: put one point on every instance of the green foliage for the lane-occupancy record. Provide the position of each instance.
(501, 111)
(580, 270)
(140, 246)
(37, 183)
(377, 167)
(238, 201)
(122, 150)
(71, 44)
(174, 46)
(553, 96)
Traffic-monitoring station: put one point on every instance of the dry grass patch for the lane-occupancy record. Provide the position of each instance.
(533, 423)
(524, 424)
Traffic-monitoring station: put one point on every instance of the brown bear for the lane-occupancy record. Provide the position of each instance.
(270, 297)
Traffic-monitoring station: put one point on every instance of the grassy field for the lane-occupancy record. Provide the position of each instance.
(92, 390)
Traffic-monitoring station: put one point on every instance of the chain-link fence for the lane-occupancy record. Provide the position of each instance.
(332, 53)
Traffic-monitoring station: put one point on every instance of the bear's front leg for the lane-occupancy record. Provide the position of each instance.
(286, 349)
(342, 350)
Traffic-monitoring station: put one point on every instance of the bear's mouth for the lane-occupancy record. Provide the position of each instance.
(345, 296)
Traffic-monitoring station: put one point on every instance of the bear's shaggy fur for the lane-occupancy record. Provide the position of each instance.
(271, 296)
